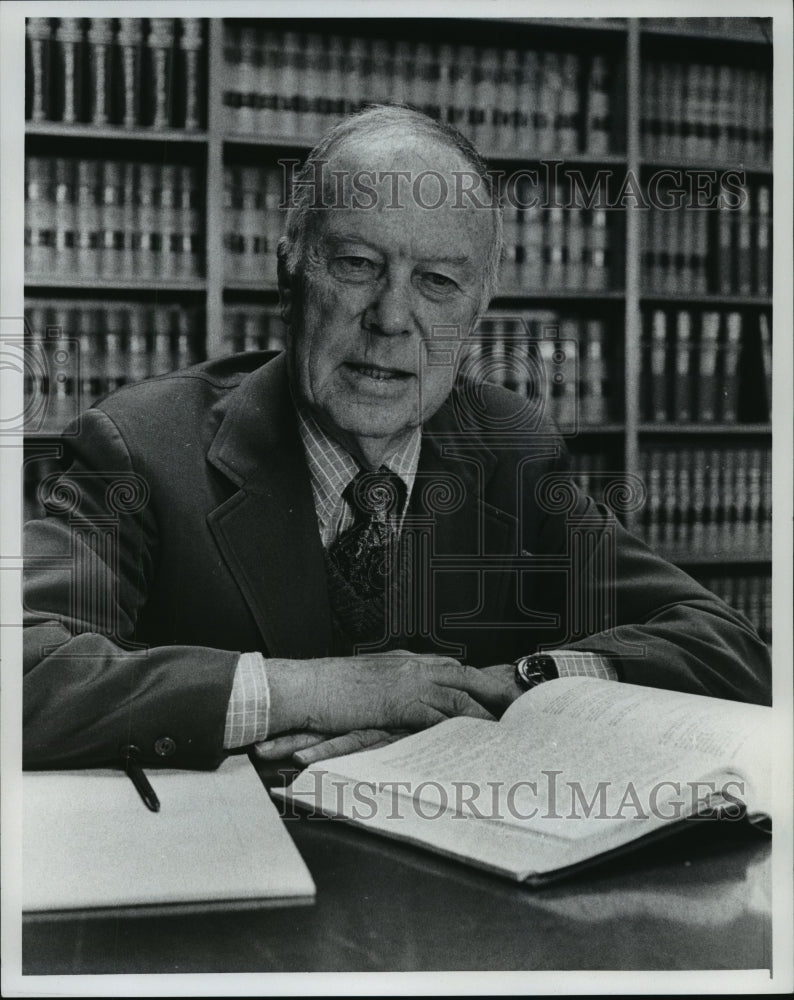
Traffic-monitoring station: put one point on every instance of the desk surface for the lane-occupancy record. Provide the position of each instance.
(697, 901)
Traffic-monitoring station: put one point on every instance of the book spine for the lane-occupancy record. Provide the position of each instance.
(714, 505)
(723, 113)
(32, 385)
(554, 247)
(765, 337)
(598, 263)
(545, 96)
(707, 367)
(683, 388)
(39, 35)
(691, 121)
(531, 258)
(486, 93)
(599, 122)
(137, 344)
(69, 40)
(730, 368)
(100, 62)
(697, 541)
(659, 350)
(594, 401)
(509, 100)
(130, 38)
(709, 112)
(567, 357)
(668, 258)
(185, 338)
(765, 512)
(112, 220)
(232, 95)
(699, 256)
(90, 383)
(162, 354)
(754, 505)
(160, 42)
(233, 245)
(252, 223)
(669, 510)
(115, 369)
(313, 83)
(191, 221)
(683, 515)
(61, 389)
(727, 257)
(512, 261)
(191, 43)
(39, 232)
(684, 261)
(528, 70)
(744, 248)
(667, 96)
(568, 116)
(169, 223)
(291, 120)
(88, 218)
(575, 245)
(147, 235)
(763, 241)
(128, 255)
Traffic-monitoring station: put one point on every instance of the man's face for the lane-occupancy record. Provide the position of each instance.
(374, 286)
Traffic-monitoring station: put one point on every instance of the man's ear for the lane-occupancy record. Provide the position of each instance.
(285, 283)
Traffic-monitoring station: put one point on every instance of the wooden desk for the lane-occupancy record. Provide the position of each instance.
(698, 901)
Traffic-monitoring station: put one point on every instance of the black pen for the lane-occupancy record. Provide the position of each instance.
(135, 771)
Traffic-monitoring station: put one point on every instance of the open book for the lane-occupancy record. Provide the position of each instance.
(576, 769)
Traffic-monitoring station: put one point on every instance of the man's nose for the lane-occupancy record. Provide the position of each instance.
(390, 312)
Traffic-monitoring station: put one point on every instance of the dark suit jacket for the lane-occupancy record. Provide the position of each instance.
(184, 532)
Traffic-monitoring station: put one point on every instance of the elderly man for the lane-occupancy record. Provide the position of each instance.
(255, 551)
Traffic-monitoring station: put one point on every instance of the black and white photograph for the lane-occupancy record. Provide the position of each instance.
(396, 462)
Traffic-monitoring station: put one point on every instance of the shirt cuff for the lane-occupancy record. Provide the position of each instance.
(248, 712)
(574, 663)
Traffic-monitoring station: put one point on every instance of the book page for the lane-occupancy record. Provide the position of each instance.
(735, 735)
(556, 780)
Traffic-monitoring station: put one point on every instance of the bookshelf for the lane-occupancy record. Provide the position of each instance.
(152, 193)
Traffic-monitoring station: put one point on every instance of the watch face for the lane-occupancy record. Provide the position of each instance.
(547, 665)
(535, 669)
(528, 672)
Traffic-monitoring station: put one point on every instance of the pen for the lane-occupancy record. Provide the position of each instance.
(138, 778)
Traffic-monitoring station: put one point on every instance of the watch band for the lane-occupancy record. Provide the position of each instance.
(535, 669)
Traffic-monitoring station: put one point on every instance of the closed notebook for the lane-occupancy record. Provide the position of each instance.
(90, 844)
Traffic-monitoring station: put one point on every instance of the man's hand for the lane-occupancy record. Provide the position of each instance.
(307, 748)
(387, 691)
(505, 674)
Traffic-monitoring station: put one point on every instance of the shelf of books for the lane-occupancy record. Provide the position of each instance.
(157, 151)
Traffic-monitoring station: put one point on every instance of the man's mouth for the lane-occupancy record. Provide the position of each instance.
(378, 372)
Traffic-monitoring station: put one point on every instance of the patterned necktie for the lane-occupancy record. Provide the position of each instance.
(359, 561)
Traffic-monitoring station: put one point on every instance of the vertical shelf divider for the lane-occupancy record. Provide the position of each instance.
(632, 324)
(214, 195)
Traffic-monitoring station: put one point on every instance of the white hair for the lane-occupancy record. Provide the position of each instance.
(368, 122)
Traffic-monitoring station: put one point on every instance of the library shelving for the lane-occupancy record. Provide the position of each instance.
(153, 189)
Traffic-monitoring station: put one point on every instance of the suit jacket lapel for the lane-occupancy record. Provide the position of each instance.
(267, 530)
(470, 599)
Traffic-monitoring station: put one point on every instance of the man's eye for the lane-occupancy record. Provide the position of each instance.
(438, 281)
(353, 265)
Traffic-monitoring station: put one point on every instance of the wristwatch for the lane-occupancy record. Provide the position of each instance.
(535, 669)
